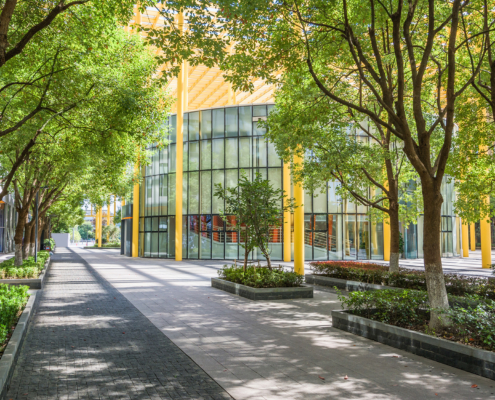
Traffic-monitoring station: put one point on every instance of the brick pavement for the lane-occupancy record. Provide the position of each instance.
(87, 341)
(275, 350)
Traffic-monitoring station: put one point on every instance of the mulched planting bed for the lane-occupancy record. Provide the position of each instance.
(457, 285)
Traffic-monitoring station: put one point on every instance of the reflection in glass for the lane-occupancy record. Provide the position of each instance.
(218, 123)
(335, 237)
(231, 121)
(206, 124)
(363, 238)
(350, 237)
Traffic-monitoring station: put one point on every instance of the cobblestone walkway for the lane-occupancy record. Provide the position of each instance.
(87, 341)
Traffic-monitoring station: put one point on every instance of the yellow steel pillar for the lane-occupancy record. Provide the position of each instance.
(486, 239)
(100, 223)
(96, 226)
(181, 108)
(287, 222)
(135, 215)
(465, 239)
(298, 225)
(115, 208)
(386, 234)
(472, 234)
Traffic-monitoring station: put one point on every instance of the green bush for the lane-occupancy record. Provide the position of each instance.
(402, 308)
(109, 244)
(28, 269)
(457, 285)
(50, 243)
(473, 323)
(260, 277)
(12, 300)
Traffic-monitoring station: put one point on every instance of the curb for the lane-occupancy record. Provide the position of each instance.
(343, 284)
(36, 283)
(477, 361)
(100, 248)
(11, 353)
(305, 292)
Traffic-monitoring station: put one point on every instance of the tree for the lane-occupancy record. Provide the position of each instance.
(257, 207)
(394, 63)
(86, 230)
(366, 162)
(111, 233)
(33, 36)
(99, 138)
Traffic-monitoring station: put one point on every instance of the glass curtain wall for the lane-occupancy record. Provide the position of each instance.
(220, 144)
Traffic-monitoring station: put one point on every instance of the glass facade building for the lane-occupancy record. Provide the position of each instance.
(218, 145)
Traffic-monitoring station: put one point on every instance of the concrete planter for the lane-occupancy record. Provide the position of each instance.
(101, 248)
(476, 361)
(350, 286)
(11, 353)
(33, 283)
(305, 292)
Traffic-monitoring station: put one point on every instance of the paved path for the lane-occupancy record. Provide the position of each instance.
(282, 350)
(87, 341)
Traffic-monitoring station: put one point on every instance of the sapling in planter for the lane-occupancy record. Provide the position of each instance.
(254, 208)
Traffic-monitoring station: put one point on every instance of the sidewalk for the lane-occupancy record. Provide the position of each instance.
(283, 349)
(87, 341)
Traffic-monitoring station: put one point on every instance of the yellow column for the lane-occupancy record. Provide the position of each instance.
(100, 223)
(96, 226)
(472, 233)
(287, 227)
(115, 208)
(465, 239)
(181, 108)
(135, 215)
(486, 239)
(386, 234)
(298, 225)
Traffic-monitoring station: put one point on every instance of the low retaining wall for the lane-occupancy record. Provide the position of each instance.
(471, 359)
(305, 292)
(100, 248)
(11, 353)
(33, 283)
(350, 286)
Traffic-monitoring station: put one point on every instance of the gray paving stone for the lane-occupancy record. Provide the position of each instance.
(87, 341)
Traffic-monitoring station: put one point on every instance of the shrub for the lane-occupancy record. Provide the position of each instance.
(456, 285)
(395, 307)
(12, 300)
(260, 277)
(28, 269)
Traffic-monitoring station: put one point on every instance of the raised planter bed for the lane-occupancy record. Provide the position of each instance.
(33, 283)
(471, 359)
(305, 292)
(11, 353)
(343, 284)
(100, 248)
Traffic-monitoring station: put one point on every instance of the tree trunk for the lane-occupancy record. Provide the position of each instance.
(41, 228)
(28, 228)
(435, 282)
(394, 236)
(19, 232)
(246, 254)
(33, 241)
(268, 261)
